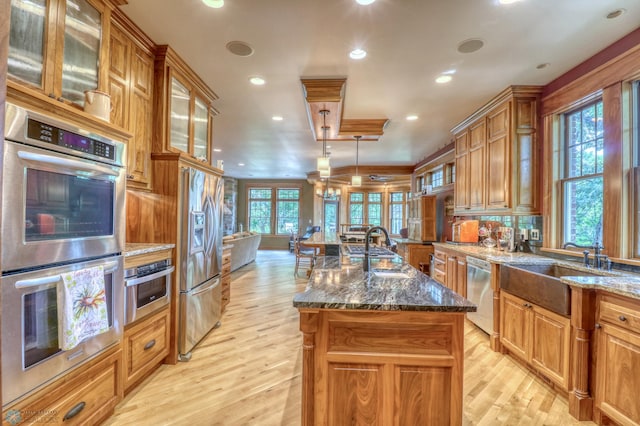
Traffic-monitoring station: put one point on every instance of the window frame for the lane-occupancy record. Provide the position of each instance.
(274, 204)
(566, 178)
(403, 210)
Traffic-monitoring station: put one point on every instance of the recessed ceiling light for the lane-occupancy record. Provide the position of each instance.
(507, 1)
(471, 45)
(357, 54)
(542, 66)
(412, 117)
(258, 81)
(616, 13)
(277, 118)
(217, 150)
(216, 4)
(239, 48)
(364, 2)
(241, 164)
(445, 78)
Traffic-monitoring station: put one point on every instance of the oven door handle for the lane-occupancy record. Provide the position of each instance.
(109, 267)
(74, 166)
(146, 278)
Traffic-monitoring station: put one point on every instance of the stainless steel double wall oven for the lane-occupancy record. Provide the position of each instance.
(63, 210)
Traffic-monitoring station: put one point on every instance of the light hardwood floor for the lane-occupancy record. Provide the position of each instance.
(247, 372)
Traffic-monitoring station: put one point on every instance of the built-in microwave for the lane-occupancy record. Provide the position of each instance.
(147, 289)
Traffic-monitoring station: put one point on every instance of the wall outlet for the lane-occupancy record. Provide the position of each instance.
(534, 235)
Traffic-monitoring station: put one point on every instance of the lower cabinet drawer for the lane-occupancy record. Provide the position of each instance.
(621, 316)
(86, 396)
(439, 276)
(146, 344)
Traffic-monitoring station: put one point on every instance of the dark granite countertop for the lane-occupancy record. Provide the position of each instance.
(340, 283)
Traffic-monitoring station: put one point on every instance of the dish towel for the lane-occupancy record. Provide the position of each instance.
(82, 306)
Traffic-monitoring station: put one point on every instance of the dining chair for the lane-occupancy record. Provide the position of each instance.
(304, 255)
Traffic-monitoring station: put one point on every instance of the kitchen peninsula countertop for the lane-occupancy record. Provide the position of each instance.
(340, 283)
(621, 283)
(134, 249)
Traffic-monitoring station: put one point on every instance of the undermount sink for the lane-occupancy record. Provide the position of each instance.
(540, 284)
(390, 274)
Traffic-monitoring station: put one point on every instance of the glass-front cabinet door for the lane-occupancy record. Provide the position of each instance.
(26, 40)
(180, 100)
(82, 36)
(38, 28)
(200, 130)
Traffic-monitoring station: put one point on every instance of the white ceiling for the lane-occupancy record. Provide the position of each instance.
(409, 43)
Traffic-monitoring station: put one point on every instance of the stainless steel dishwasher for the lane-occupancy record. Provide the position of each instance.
(479, 292)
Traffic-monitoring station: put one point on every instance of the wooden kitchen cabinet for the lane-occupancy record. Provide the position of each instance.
(446, 272)
(461, 276)
(131, 68)
(145, 346)
(225, 277)
(183, 108)
(497, 156)
(56, 46)
(440, 266)
(422, 218)
(617, 361)
(537, 336)
(85, 396)
(373, 368)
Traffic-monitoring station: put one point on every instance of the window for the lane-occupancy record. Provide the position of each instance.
(396, 211)
(265, 215)
(582, 188)
(419, 183)
(288, 210)
(437, 178)
(356, 208)
(260, 210)
(450, 173)
(374, 209)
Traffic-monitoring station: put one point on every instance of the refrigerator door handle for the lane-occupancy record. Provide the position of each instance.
(207, 287)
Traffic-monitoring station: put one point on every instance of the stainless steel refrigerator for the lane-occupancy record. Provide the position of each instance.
(200, 242)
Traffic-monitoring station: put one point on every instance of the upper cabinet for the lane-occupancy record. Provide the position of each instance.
(131, 65)
(497, 156)
(57, 46)
(184, 111)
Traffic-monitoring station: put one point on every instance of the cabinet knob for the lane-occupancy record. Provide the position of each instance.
(622, 318)
(598, 326)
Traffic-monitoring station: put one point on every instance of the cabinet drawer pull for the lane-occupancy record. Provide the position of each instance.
(598, 326)
(622, 318)
(130, 176)
(149, 345)
(74, 411)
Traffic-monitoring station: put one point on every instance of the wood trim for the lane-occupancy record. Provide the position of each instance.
(621, 68)
(165, 53)
(444, 151)
(141, 39)
(613, 167)
(505, 95)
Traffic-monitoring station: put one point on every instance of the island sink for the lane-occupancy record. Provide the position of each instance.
(540, 284)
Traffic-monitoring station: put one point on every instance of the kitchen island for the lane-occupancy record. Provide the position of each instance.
(380, 347)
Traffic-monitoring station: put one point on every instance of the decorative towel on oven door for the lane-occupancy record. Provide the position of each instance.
(82, 306)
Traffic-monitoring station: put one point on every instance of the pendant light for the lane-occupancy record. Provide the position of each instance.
(323, 162)
(356, 180)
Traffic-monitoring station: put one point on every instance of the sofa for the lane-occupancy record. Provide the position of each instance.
(244, 248)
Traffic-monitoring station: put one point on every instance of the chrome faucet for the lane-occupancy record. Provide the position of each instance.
(387, 241)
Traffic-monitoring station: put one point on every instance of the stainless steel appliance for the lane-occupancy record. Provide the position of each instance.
(200, 305)
(147, 288)
(66, 190)
(480, 293)
(31, 355)
(63, 211)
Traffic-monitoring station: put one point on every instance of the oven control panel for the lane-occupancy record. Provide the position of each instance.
(54, 135)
